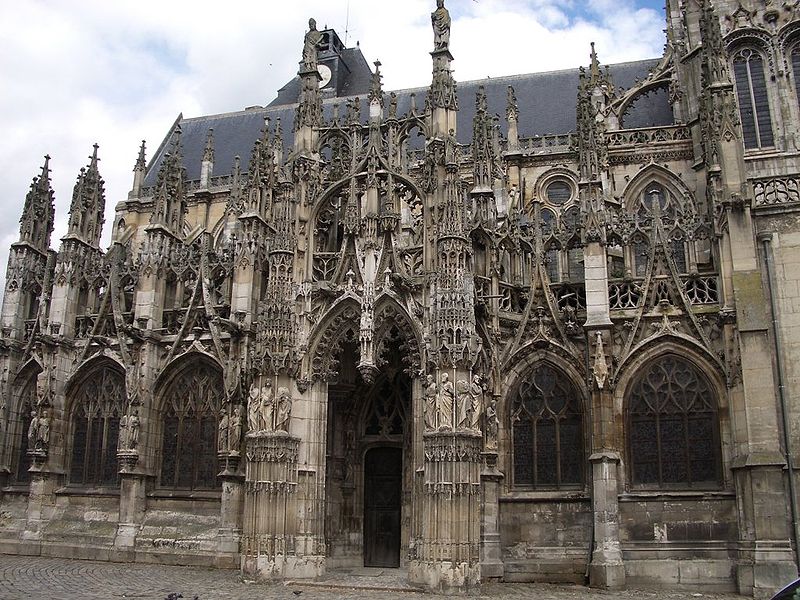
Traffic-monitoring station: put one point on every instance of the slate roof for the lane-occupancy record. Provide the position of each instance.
(547, 105)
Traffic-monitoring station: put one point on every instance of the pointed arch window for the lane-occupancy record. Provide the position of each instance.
(190, 413)
(98, 403)
(547, 432)
(19, 431)
(751, 91)
(673, 432)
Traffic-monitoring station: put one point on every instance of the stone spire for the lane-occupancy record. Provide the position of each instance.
(261, 175)
(482, 147)
(512, 117)
(88, 204)
(207, 164)
(138, 172)
(170, 194)
(38, 214)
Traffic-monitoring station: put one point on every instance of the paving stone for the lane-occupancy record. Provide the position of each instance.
(38, 578)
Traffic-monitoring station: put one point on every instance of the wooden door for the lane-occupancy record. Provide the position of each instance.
(383, 484)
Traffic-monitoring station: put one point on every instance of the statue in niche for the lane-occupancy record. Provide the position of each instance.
(283, 410)
(476, 391)
(267, 408)
(235, 429)
(463, 404)
(445, 402)
(33, 430)
(492, 425)
(430, 403)
(440, 18)
(133, 431)
(311, 43)
(43, 431)
(222, 435)
(254, 409)
(122, 439)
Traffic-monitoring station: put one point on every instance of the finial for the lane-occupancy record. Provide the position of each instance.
(93, 157)
(208, 151)
(140, 160)
(375, 89)
(595, 67)
(46, 167)
(480, 100)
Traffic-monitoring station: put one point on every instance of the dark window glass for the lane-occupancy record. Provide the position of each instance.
(751, 91)
(547, 432)
(672, 427)
(558, 192)
(190, 419)
(796, 70)
(99, 403)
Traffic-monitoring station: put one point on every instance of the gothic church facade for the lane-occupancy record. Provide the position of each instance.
(394, 329)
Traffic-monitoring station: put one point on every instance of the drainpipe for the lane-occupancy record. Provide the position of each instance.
(766, 240)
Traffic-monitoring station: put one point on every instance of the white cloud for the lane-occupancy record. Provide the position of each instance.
(117, 72)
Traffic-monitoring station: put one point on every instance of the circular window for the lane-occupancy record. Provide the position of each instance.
(558, 192)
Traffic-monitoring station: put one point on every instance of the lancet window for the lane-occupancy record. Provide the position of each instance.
(19, 433)
(673, 433)
(559, 221)
(97, 405)
(190, 410)
(751, 91)
(547, 432)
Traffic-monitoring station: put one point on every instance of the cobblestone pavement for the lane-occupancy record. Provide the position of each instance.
(33, 578)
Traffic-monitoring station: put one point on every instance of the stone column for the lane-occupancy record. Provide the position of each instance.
(230, 528)
(447, 557)
(132, 503)
(491, 557)
(270, 507)
(606, 569)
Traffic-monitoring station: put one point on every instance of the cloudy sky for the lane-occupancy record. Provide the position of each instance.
(116, 72)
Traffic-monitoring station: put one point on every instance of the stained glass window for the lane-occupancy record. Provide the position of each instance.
(673, 438)
(98, 403)
(751, 91)
(547, 432)
(189, 424)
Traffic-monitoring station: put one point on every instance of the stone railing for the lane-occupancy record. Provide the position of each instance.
(776, 191)
(647, 136)
(548, 144)
(699, 290)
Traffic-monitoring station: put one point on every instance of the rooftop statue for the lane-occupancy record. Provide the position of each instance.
(441, 26)
(311, 43)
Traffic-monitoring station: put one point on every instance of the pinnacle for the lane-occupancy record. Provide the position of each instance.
(140, 160)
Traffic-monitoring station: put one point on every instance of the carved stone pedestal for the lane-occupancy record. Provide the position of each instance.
(447, 555)
(269, 544)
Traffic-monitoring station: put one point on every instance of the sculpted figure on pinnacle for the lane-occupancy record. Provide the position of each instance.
(440, 18)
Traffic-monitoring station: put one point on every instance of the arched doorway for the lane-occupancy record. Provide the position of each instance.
(369, 471)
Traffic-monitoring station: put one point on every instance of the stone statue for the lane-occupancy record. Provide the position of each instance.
(476, 390)
(133, 430)
(222, 435)
(463, 404)
(492, 425)
(392, 105)
(43, 431)
(284, 410)
(235, 429)
(444, 403)
(310, 45)
(122, 440)
(267, 408)
(33, 430)
(254, 409)
(440, 18)
(430, 403)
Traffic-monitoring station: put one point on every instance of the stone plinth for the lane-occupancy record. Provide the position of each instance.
(269, 548)
(446, 557)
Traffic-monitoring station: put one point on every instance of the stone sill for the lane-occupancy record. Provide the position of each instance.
(546, 496)
(88, 491)
(17, 488)
(203, 495)
(644, 495)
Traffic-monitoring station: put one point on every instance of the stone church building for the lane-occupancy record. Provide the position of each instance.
(532, 328)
